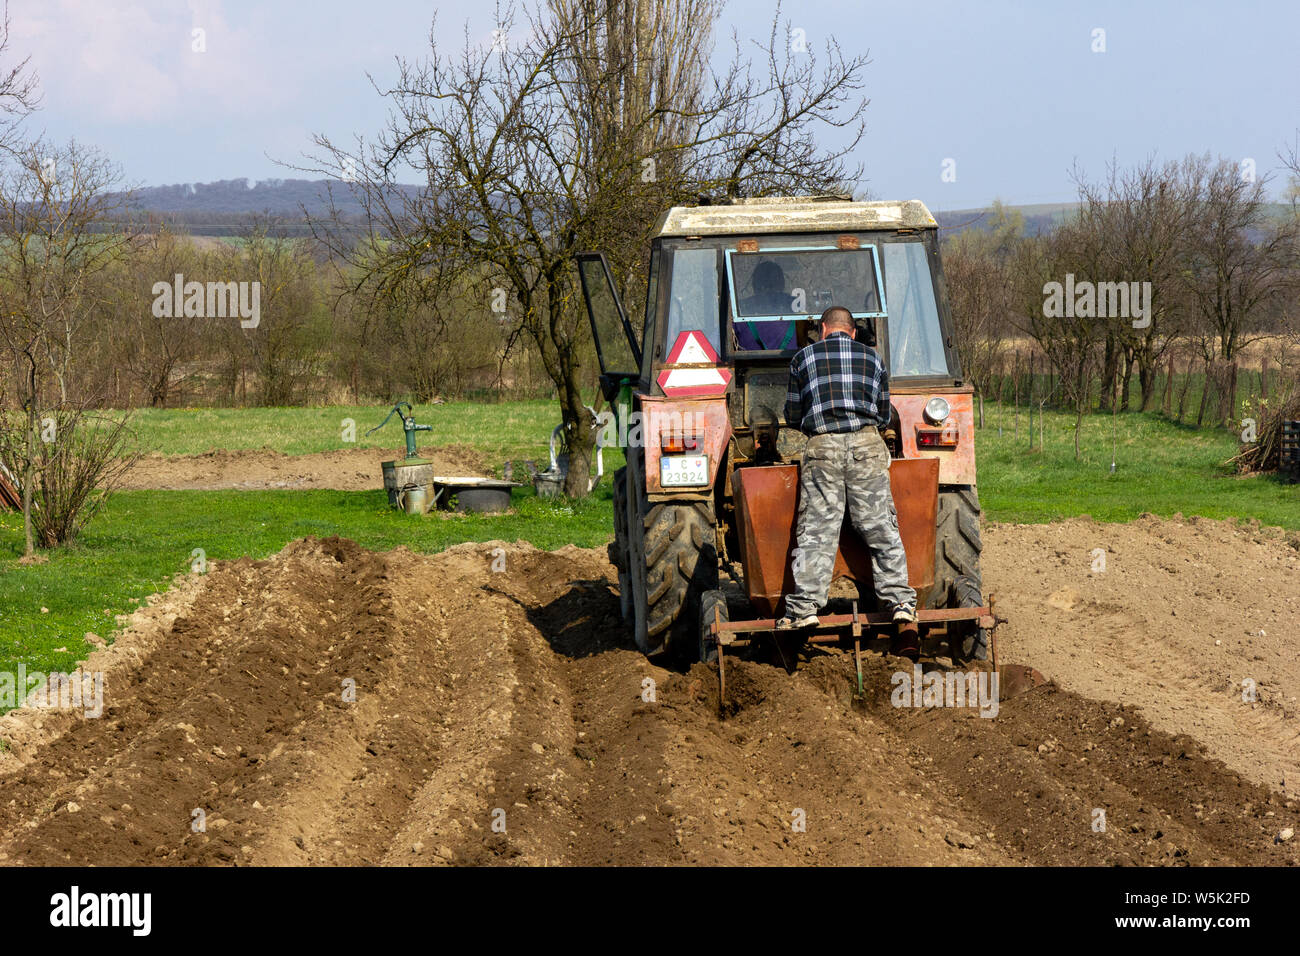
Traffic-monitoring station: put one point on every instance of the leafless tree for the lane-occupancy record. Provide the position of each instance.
(19, 91)
(978, 270)
(52, 203)
(150, 350)
(1240, 263)
(1139, 218)
(576, 129)
(1069, 341)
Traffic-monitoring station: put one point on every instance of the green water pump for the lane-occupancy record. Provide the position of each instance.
(408, 425)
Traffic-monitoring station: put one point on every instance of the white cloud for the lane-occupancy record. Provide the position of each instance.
(134, 62)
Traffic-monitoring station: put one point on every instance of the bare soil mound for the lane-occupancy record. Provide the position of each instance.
(503, 717)
(1196, 623)
(353, 469)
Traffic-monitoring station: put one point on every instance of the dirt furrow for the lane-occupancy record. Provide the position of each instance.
(331, 705)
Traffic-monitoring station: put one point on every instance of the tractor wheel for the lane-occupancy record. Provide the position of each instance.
(956, 544)
(618, 550)
(680, 563)
(969, 641)
(711, 602)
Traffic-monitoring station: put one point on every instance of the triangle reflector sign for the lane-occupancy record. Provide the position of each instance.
(693, 348)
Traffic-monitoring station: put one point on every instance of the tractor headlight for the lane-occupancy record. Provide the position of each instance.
(936, 410)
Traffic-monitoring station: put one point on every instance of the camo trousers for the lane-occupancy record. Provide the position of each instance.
(852, 467)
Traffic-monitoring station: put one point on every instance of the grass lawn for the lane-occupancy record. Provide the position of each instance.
(1160, 467)
(507, 430)
(143, 538)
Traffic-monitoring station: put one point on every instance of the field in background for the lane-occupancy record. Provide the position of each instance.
(144, 538)
(1161, 467)
(506, 429)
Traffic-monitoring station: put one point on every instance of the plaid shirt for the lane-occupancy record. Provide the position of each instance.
(837, 385)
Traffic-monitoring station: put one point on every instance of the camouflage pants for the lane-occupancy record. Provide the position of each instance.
(852, 467)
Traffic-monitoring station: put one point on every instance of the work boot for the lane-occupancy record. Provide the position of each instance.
(789, 623)
(904, 613)
(906, 643)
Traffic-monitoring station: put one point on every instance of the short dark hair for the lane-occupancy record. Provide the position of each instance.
(837, 317)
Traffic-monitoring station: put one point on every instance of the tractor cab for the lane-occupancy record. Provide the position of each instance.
(733, 292)
(736, 290)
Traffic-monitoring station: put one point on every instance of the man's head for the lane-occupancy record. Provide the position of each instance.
(768, 278)
(838, 319)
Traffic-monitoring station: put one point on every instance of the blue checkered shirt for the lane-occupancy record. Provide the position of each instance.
(837, 385)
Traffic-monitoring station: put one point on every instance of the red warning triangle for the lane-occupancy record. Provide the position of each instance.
(693, 348)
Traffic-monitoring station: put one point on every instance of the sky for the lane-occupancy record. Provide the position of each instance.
(969, 101)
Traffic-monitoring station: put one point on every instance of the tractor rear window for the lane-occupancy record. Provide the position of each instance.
(773, 289)
(915, 339)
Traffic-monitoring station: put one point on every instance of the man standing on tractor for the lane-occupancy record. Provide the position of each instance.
(839, 396)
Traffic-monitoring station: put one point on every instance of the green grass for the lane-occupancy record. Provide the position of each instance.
(505, 430)
(144, 538)
(1161, 467)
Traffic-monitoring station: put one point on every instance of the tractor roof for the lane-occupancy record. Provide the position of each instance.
(793, 214)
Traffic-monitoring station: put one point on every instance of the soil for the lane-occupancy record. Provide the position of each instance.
(503, 716)
(1187, 621)
(353, 469)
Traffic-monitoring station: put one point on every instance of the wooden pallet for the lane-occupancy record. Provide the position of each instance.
(1290, 463)
(9, 497)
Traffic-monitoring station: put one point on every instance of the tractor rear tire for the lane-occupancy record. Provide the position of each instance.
(968, 641)
(957, 544)
(619, 549)
(680, 564)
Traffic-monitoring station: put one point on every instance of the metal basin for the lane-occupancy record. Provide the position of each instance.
(472, 494)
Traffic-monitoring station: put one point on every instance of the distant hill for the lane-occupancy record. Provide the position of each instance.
(223, 208)
(1042, 218)
(1039, 217)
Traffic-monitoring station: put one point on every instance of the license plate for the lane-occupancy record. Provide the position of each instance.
(683, 470)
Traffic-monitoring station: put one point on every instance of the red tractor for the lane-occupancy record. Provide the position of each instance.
(711, 480)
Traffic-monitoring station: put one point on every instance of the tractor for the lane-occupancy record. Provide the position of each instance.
(711, 480)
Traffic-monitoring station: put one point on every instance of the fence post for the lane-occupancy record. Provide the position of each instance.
(1015, 381)
(1166, 403)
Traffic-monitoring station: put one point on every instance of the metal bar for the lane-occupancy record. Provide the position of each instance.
(993, 645)
(857, 646)
(722, 683)
(872, 618)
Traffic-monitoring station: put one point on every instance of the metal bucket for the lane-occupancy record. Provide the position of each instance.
(548, 484)
(413, 499)
(767, 506)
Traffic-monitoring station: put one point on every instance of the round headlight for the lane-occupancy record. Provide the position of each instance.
(936, 410)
